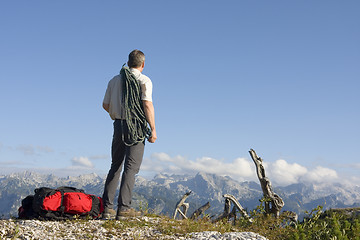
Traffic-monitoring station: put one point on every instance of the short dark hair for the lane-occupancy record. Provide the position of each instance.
(136, 58)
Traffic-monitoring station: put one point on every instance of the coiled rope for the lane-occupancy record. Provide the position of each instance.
(134, 113)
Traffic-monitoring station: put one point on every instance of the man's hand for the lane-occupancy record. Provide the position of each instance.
(153, 137)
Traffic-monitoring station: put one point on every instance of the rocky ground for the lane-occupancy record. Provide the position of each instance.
(98, 229)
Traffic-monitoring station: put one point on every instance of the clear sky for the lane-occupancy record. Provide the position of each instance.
(281, 77)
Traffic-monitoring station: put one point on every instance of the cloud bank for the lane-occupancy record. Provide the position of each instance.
(82, 162)
(280, 172)
(162, 162)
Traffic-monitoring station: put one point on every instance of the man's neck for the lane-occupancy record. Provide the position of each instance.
(139, 68)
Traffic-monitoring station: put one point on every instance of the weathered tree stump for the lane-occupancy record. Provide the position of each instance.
(182, 204)
(200, 211)
(273, 202)
(232, 213)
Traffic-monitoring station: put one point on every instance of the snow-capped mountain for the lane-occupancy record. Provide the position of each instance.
(161, 194)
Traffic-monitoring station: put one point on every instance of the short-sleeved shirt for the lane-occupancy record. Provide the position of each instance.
(114, 91)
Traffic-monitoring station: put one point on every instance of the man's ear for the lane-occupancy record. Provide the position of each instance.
(143, 64)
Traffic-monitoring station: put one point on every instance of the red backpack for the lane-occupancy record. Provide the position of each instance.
(61, 203)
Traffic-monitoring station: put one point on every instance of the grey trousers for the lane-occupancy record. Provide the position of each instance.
(129, 156)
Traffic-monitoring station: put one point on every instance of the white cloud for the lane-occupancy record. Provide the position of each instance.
(82, 162)
(239, 169)
(279, 172)
(283, 173)
(321, 174)
(162, 157)
(354, 180)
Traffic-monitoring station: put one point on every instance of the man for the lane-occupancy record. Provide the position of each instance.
(123, 151)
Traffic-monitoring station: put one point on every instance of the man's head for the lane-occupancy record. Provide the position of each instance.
(136, 59)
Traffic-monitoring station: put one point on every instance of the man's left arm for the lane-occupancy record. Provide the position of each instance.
(150, 117)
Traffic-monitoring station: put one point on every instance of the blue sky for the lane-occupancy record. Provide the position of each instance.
(281, 77)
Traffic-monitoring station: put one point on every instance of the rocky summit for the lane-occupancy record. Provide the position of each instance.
(96, 229)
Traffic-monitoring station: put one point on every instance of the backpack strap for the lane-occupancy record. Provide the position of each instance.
(69, 189)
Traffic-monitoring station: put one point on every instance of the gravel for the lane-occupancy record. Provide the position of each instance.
(94, 229)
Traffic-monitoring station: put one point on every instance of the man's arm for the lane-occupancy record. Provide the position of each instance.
(106, 106)
(150, 117)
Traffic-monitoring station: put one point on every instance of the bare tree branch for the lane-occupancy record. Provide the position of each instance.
(273, 202)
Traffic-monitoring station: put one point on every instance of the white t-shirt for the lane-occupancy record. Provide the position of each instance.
(113, 94)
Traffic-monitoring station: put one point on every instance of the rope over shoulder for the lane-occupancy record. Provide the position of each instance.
(134, 111)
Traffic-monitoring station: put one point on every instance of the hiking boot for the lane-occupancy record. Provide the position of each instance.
(109, 214)
(127, 213)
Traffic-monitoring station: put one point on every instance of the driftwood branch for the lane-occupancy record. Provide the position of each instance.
(182, 206)
(232, 213)
(273, 202)
(237, 205)
(226, 212)
(200, 211)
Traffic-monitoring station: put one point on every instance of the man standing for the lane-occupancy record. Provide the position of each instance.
(128, 100)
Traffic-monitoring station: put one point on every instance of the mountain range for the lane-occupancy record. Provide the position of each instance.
(161, 194)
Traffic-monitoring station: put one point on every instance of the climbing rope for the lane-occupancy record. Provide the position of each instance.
(134, 113)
